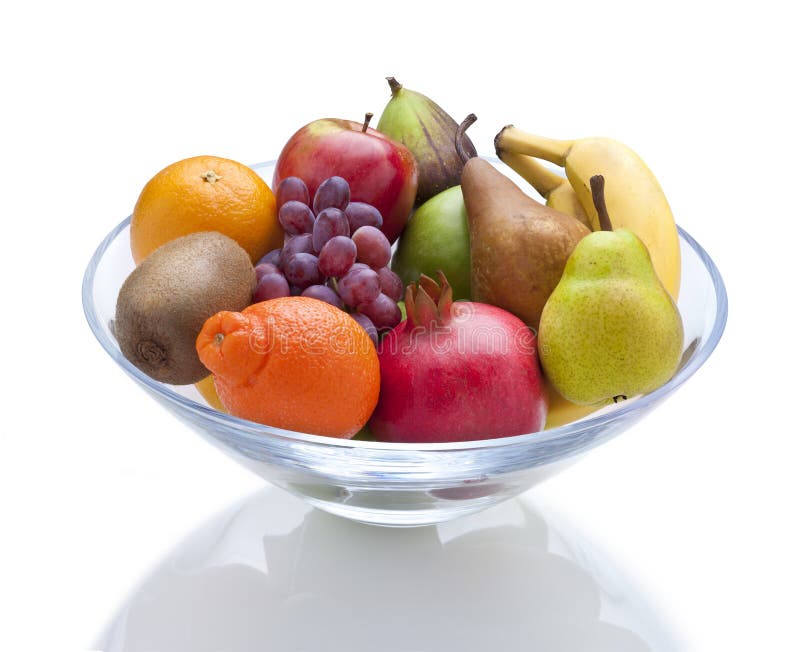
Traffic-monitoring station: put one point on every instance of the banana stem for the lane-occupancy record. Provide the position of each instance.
(511, 139)
(462, 153)
(598, 184)
(542, 179)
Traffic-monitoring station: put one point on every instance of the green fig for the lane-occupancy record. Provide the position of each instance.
(436, 239)
(429, 132)
(609, 330)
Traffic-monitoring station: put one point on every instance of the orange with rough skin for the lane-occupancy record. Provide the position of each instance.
(206, 193)
(294, 363)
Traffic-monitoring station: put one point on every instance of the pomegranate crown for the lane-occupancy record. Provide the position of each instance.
(429, 302)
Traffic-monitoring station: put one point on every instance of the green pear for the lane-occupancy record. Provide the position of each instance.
(609, 330)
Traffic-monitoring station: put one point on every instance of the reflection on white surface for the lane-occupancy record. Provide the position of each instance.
(274, 574)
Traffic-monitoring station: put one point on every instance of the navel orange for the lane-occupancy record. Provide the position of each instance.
(206, 193)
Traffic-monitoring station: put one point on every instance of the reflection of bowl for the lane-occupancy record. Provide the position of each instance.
(270, 573)
(403, 484)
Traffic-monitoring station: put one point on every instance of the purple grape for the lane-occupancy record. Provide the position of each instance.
(373, 247)
(272, 257)
(298, 244)
(296, 218)
(366, 323)
(323, 293)
(359, 286)
(292, 189)
(360, 214)
(334, 192)
(302, 270)
(361, 266)
(296, 291)
(391, 284)
(337, 256)
(383, 311)
(262, 269)
(271, 286)
(330, 223)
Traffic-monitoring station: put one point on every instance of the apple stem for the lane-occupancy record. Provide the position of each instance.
(394, 85)
(598, 183)
(471, 118)
(367, 118)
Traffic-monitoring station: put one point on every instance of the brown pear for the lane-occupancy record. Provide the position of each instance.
(518, 246)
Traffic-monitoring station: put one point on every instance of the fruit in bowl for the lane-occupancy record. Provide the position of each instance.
(277, 363)
(205, 193)
(380, 171)
(454, 393)
(423, 126)
(334, 251)
(610, 329)
(437, 239)
(457, 372)
(634, 196)
(405, 484)
(164, 302)
(518, 246)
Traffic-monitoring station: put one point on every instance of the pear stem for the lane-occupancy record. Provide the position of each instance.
(367, 118)
(394, 85)
(463, 154)
(598, 184)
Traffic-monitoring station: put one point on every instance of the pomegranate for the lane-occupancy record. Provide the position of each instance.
(457, 372)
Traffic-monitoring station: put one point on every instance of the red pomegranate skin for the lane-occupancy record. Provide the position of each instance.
(476, 376)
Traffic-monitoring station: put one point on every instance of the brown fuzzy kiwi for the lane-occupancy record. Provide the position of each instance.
(165, 301)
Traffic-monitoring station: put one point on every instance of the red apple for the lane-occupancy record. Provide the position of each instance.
(380, 171)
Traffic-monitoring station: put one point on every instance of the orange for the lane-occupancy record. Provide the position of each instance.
(294, 363)
(206, 193)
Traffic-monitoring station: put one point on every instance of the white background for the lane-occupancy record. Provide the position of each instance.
(698, 503)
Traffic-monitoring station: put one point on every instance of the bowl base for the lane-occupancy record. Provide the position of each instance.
(396, 518)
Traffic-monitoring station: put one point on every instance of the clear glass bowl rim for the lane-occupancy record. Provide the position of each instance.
(265, 437)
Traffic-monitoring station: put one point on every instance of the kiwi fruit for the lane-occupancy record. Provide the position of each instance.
(163, 304)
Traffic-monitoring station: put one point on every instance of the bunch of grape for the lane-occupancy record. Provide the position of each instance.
(334, 251)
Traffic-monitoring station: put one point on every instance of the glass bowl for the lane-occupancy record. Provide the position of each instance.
(406, 484)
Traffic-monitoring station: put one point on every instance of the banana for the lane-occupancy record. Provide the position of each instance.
(560, 411)
(634, 197)
(553, 187)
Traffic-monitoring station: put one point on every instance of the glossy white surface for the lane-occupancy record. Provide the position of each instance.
(273, 573)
